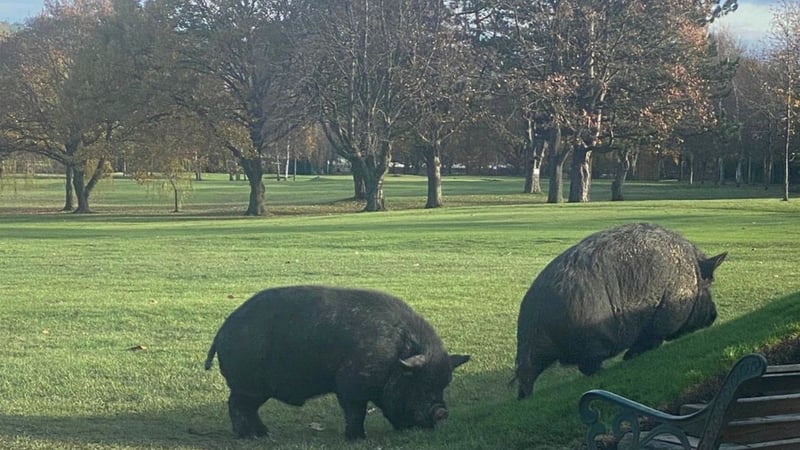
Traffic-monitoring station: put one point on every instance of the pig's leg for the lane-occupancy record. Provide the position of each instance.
(590, 367)
(593, 353)
(243, 410)
(644, 343)
(355, 411)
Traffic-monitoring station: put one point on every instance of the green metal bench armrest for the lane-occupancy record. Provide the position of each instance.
(708, 420)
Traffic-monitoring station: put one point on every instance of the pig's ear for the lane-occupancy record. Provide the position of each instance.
(707, 266)
(457, 360)
(413, 362)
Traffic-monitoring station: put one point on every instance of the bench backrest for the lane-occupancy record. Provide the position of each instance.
(718, 411)
(756, 403)
(767, 408)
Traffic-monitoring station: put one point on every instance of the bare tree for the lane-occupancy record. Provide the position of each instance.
(785, 54)
(450, 72)
(366, 57)
(237, 57)
(575, 58)
(761, 111)
(68, 83)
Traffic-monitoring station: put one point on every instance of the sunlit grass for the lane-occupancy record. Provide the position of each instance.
(105, 318)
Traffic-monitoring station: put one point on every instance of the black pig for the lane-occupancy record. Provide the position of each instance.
(629, 287)
(295, 343)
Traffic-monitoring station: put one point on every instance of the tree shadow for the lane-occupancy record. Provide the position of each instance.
(147, 429)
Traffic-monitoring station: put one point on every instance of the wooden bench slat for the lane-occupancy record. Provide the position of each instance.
(671, 443)
(773, 405)
(785, 444)
(761, 429)
(783, 368)
(771, 384)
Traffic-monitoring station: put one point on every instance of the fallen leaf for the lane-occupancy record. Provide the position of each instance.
(231, 297)
(316, 426)
(137, 348)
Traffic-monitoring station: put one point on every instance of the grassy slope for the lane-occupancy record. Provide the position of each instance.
(78, 291)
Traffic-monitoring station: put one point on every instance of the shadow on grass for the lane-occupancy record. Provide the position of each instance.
(202, 427)
(317, 425)
(133, 429)
(484, 410)
(475, 423)
(451, 220)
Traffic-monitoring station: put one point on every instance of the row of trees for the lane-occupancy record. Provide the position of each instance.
(759, 117)
(160, 82)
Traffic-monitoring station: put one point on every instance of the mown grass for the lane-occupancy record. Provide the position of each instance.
(79, 292)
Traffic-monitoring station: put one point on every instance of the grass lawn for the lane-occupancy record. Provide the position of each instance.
(105, 318)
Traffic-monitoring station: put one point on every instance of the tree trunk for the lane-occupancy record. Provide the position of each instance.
(69, 203)
(198, 175)
(555, 190)
(787, 152)
(580, 175)
(359, 185)
(739, 173)
(433, 162)
(558, 155)
(375, 166)
(527, 154)
(255, 172)
(767, 160)
(623, 166)
(703, 170)
(659, 167)
(84, 188)
(616, 188)
(767, 170)
(721, 171)
(375, 200)
(81, 191)
(536, 181)
(689, 158)
(534, 154)
(177, 198)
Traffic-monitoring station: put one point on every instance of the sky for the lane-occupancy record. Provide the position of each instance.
(17, 10)
(749, 24)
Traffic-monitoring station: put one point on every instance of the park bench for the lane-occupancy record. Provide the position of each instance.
(757, 406)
